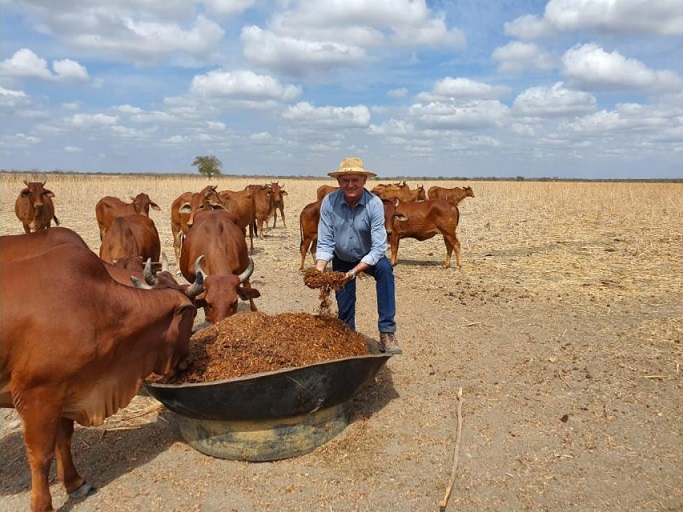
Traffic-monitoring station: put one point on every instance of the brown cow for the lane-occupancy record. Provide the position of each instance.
(108, 208)
(241, 204)
(401, 192)
(34, 207)
(278, 193)
(421, 221)
(129, 241)
(452, 195)
(262, 197)
(227, 266)
(183, 209)
(310, 217)
(323, 190)
(57, 369)
(308, 228)
(19, 247)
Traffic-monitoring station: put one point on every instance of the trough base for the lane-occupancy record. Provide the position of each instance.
(264, 440)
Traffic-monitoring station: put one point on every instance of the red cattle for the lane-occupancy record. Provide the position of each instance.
(452, 195)
(57, 369)
(401, 192)
(108, 208)
(308, 228)
(226, 267)
(262, 197)
(423, 220)
(183, 209)
(241, 204)
(323, 190)
(129, 241)
(278, 193)
(34, 207)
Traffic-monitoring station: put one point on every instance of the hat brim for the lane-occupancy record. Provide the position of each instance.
(362, 172)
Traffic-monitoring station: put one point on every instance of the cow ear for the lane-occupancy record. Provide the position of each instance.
(25, 193)
(248, 293)
(284, 192)
(48, 193)
(155, 206)
(185, 208)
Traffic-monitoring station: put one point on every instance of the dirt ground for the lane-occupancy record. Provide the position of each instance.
(562, 328)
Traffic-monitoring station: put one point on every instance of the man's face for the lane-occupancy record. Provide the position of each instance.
(352, 185)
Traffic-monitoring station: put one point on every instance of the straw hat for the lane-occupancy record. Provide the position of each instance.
(352, 165)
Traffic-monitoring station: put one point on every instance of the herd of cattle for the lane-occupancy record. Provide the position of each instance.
(122, 334)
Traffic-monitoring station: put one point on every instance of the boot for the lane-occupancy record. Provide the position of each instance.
(388, 343)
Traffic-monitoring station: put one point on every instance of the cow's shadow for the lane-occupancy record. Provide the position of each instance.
(100, 455)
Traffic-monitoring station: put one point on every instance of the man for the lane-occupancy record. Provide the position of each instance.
(352, 235)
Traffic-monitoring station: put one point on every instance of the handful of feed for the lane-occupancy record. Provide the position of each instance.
(252, 342)
(326, 282)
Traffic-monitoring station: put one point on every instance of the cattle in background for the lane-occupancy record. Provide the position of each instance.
(183, 209)
(57, 369)
(131, 240)
(310, 217)
(452, 195)
(226, 265)
(421, 221)
(34, 207)
(308, 228)
(241, 204)
(323, 190)
(401, 192)
(108, 208)
(277, 195)
(262, 197)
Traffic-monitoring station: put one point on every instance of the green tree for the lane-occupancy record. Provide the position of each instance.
(209, 166)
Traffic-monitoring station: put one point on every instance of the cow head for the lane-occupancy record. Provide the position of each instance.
(277, 192)
(468, 192)
(164, 279)
(391, 214)
(421, 194)
(221, 294)
(142, 203)
(35, 192)
(207, 199)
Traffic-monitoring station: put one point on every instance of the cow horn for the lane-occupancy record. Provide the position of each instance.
(139, 284)
(248, 272)
(149, 276)
(198, 286)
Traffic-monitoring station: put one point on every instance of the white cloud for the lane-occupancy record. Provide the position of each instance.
(227, 8)
(553, 101)
(87, 120)
(336, 117)
(637, 17)
(26, 64)
(516, 57)
(589, 65)
(70, 70)
(462, 89)
(242, 84)
(446, 116)
(73, 149)
(399, 93)
(343, 33)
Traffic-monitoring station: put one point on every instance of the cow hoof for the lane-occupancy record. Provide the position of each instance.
(83, 491)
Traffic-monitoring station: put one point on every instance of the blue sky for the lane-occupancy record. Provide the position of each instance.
(448, 88)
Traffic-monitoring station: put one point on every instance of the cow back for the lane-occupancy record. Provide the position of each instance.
(16, 247)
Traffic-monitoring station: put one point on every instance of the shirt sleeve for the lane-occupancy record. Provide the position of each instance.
(378, 232)
(325, 247)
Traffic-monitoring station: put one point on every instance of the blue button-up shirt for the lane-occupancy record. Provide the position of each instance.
(353, 234)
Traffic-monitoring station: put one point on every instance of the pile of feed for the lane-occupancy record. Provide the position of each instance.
(326, 282)
(252, 342)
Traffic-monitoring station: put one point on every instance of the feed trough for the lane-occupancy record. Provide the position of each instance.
(269, 416)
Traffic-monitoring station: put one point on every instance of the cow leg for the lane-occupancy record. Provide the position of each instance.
(40, 435)
(251, 237)
(303, 248)
(74, 483)
(282, 214)
(450, 242)
(394, 248)
(456, 245)
(274, 217)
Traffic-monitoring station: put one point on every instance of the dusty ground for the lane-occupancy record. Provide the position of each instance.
(563, 329)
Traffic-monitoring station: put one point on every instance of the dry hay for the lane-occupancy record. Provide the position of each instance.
(326, 282)
(252, 342)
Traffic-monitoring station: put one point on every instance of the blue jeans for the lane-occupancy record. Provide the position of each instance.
(383, 273)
